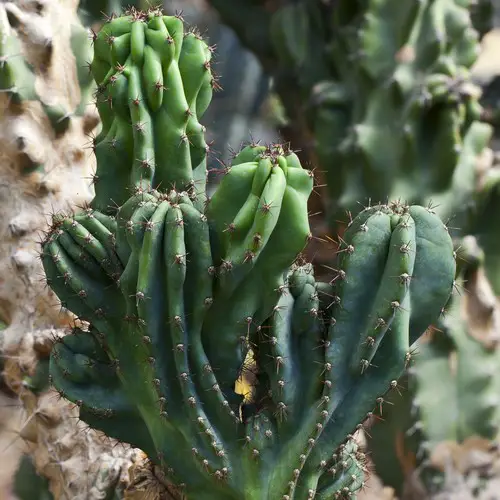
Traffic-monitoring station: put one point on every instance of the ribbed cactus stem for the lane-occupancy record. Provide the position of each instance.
(154, 84)
(179, 294)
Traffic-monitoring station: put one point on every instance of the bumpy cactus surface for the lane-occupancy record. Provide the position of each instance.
(27, 51)
(179, 293)
(157, 78)
(463, 354)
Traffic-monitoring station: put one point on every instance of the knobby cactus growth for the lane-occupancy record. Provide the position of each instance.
(179, 291)
(463, 354)
(27, 51)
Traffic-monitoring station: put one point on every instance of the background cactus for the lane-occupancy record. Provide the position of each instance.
(185, 294)
(44, 167)
(28, 485)
(375, 72)
(28, 48)
(36, 161)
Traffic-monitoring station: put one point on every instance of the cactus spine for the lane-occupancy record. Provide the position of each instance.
(176, 291)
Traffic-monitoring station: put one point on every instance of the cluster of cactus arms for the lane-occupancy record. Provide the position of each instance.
(178, 292)
(386, 87)
(18, 74)
(373, 72)
(463, 355)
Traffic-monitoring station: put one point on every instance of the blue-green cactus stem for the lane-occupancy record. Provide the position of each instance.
(460, 354)
(258, 205)
(145, 358)
(157, 77)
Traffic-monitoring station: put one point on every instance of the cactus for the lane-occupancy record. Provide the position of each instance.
(374, 72)
(27, 50)
(165, 128)
(414, 102)
(463, 355)
(482, 15)
(179, 293)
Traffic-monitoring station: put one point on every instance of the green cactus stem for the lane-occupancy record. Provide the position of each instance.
(151, 74)
(462, 353)
(144, 371)
(178, 294)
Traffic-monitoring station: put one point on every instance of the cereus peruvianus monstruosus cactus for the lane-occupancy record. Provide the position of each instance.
(180, 292)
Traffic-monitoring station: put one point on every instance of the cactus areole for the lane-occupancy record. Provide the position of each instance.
(180, 292)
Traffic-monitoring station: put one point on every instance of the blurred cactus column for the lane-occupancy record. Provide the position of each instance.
(95, 11)
(483, 15)
(380, 89)
(46, 120)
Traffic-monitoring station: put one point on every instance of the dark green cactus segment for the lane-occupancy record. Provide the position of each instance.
(346, 468)
(153, 74)
(428, 297)
(80, 259)
(28, 485)
(79, 363)
(83, 53)
(293, 329)
(382, 316)
(400, 239)
(482, 14)
(131, 223)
